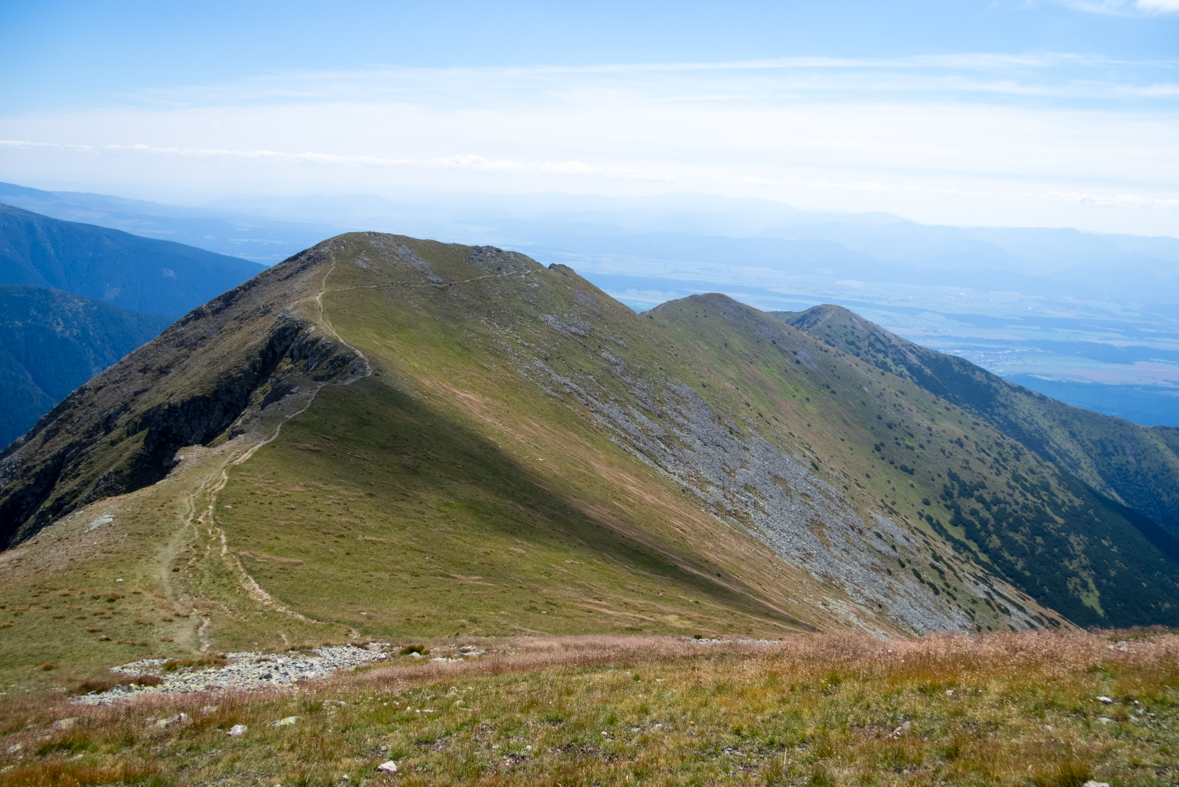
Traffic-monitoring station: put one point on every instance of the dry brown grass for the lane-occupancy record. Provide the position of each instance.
(822, 710)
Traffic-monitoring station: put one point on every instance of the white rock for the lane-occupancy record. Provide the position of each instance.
(1105, 720)
(237, 729)
(387, 767)
(64, 724)
(287, 722)
(178, 720)
(99, 521)
(13, 749)
(209, 709)
(1106, 700)
(1095, 783)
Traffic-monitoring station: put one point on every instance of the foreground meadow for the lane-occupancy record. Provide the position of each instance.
(1029, 708)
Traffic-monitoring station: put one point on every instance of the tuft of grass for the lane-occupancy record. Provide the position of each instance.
(83, 775)
(1069, 773)
(409, 650)
(218, 660)
(72, 744)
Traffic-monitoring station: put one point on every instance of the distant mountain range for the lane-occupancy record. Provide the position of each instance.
(1088, 318)
(51, 342)
(76, 298)
(390, 438)
(141, 274)
(231, 233)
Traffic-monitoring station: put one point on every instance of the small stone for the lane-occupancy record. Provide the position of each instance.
(1095, 783)
(237, 729)
(210, 709)
(13, 749)
(178, 720)
(287, 722)
(949, 692)
(64, 724)
(1105, 700)
(387, 767)
(1105, 720)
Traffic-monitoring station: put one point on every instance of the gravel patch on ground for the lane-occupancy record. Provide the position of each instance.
(243, 671)
(257, 670)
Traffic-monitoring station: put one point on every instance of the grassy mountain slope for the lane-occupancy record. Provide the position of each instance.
(51, 342)
(927, 460)
(1135, 465)
(406, 438)
(140, 274)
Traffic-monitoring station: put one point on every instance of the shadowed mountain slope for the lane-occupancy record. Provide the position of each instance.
(1137, 466)
(51, 342)
(140, 274)
(384, 436)
(121, 430)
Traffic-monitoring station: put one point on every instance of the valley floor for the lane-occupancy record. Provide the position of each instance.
(1030, 708)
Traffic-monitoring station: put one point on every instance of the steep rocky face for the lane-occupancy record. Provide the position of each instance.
(743, 478)
(1135, 465)
(120, 432)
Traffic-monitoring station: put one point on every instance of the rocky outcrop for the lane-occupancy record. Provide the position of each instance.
(120, 432)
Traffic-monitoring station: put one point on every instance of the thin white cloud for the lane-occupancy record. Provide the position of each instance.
(457, 162)
(1066, 76)
(577, 168)
(1124, 7)
(1047, 139)
(1158, 6)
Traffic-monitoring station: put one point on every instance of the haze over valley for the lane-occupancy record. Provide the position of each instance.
(626, 393)
(1036, 306)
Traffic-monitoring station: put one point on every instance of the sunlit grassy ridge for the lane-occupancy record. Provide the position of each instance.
(1136, 465)
(444, 495)
(482, 481)
(999, 710)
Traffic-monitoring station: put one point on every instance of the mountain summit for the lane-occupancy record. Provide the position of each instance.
(385, 436)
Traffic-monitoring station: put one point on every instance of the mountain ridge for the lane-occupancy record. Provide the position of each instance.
(529, 455)
(1137, 466)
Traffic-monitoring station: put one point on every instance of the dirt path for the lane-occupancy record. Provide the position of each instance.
(206, 522)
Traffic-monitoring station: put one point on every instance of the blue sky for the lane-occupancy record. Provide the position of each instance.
(1005, 112)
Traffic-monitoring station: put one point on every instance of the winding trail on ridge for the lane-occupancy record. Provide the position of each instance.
(211, 487)
(207, 519)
